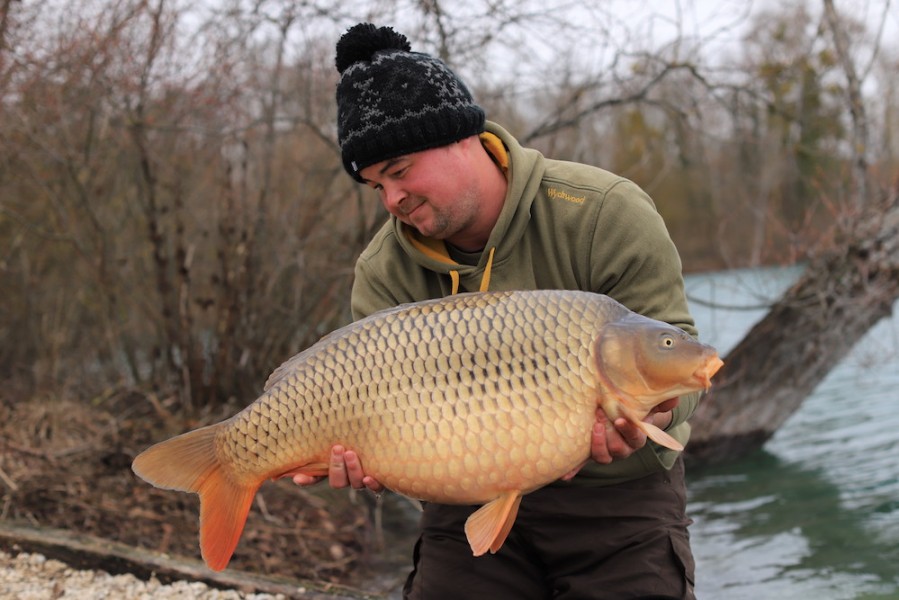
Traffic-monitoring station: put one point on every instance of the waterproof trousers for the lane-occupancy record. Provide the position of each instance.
(622, 541)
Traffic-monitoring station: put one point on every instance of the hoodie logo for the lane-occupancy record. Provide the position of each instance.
(560, 195)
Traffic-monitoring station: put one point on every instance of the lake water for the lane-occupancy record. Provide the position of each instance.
(815, 514)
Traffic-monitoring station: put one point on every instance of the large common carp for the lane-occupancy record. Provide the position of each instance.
(472, 399)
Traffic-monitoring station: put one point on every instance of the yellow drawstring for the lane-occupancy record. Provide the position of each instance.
(485, 280)
(437, 250)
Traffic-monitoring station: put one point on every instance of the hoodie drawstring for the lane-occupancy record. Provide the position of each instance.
(485, 278)
(454, 276)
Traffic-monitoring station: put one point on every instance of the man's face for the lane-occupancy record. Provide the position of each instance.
(432, 191)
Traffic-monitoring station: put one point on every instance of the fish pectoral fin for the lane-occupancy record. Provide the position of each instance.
(658, 436)
(488, 527)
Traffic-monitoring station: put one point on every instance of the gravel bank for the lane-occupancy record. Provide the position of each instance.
(34, 577)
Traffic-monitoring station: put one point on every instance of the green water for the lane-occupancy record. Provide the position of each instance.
(815, 514)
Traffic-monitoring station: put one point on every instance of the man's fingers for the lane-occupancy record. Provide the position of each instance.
(372, 484)
(599, 447)
(621, 439)
(610, 441)
(357, 477)
(353, 470)
(344, 469)
(337, 471)
(632, 436)
(302, 479)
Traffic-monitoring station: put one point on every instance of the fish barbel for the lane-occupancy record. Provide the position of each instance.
(472, 399)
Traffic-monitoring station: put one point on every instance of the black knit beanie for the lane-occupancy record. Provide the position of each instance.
(391, 101)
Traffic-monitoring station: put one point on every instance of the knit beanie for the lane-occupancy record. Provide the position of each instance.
(392, 101)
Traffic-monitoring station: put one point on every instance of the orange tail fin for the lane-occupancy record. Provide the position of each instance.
(188, 463)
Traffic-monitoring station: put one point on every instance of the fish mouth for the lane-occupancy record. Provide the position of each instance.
(703, 374)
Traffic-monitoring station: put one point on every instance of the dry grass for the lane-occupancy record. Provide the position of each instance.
(66, 464)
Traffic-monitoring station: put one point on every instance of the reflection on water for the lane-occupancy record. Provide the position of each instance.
(768, 528)
(815, 514)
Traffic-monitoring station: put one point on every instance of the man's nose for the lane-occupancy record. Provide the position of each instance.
(393, 198)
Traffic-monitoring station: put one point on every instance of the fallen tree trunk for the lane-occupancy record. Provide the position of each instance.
(81, 551)
(810, 329)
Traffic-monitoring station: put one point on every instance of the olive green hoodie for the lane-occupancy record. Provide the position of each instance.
(563, 225)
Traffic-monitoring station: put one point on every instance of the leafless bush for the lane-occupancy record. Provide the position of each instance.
(169, 221)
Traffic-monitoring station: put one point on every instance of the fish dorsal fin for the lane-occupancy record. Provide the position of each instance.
(488, 527)
(658, 436)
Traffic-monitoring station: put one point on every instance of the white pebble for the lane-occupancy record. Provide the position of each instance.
(34, 577)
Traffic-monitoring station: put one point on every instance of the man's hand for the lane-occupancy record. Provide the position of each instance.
(344, 469)
(619, 439)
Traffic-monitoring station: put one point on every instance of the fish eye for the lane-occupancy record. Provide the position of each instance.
(667, 341)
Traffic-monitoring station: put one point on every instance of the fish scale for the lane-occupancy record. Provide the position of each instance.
(472, 399)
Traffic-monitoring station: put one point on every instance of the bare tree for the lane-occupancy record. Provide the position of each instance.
(191, 209)
(860, 139)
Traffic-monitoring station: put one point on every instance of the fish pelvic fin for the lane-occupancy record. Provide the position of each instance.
(488, 527)
(659, 436)
(188, 463)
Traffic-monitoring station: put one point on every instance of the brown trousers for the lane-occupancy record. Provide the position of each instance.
(623, 541)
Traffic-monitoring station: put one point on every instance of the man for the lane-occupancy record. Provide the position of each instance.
(471, 209)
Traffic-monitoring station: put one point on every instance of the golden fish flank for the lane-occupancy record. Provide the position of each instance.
(472, 399)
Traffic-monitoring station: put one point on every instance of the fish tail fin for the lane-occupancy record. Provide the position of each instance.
(224, 506)
(488, 527)
(658, 436)
(188, 463)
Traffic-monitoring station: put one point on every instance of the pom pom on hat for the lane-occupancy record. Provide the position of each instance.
(392, 101)
(361, 41)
